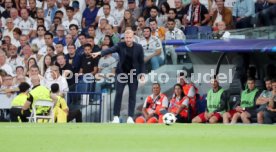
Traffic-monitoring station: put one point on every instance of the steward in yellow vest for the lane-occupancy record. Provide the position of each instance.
(18, 102)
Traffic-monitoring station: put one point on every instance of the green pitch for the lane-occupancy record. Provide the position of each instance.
(136, 138)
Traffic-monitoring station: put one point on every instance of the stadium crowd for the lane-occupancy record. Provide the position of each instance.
(45, 41)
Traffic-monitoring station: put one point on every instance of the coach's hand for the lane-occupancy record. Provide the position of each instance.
(94, 55)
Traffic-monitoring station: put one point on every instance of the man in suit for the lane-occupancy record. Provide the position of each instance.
(129, 69)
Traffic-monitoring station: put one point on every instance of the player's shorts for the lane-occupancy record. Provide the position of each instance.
(216, 114)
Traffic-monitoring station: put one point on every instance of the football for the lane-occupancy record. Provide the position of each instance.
(169, 119)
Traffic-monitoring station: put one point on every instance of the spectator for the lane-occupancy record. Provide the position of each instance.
(180, 10)
(179, 104)
(134, 10)
(263, 100)
(60, 38)
(107, 41)
(101, 28)
(65, 69)
(32, 9)
(59, 49)
(270, 113)
(9, 28)
(242, 12)
(154, 12)
(39, 40)
(3, 65)
(89, 14)
(77, 13)
(246, 108)
(92, 33)
(33, 72)
(157, 31)
(8, 5)
(164, 12)
(221, 14)
(82, 40)
(51, 52)
(118, 12)
(57, 78)
(109, 30)
(172, 16)
(196, 14)
(89, 66)
(106, 73)
(16, 36)
(220, 31)
(49, 13)
(15, 17)
(141, 26)
(74, 31)
(173, 33)
(146, 10)
(53, 27)
(128, 21)
(45, 69)
(154, 106)
(152, 49)
(72, 58)
(216, 104)
(40, 14)
(14, 60)
(27, 24)
(48, 37)
(70, 19)
(107, 15)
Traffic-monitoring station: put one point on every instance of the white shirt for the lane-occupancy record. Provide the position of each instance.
(40, 42)
(118, 15)
(111, 20)
(175, 34)
(107, 64)
(18, 61)
(43, 50)
(61, 81)
(8, 33)
(151, 46)
(78, 17)
(27, 25)
(67, 23)
(6, 67)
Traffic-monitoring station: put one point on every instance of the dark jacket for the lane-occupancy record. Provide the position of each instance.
(138, 56)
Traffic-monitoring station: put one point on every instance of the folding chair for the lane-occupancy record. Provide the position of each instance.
(42, 103)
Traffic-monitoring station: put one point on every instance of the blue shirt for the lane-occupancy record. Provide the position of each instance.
(243, 8)
(56, 40)
(89, 16)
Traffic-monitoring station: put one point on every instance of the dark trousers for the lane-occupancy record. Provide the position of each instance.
(16, 112)
(132, 96)
(269, 117)
(74, 114)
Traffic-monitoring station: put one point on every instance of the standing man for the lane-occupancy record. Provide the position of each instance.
(131, 63)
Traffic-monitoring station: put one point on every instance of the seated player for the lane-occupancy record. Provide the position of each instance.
(154, 107)
(270, 113)
(61, 110)
(246, 108)
(216, 104)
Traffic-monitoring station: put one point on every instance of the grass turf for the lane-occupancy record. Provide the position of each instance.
(136, 138)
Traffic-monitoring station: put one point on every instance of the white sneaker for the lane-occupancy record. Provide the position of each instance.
(116, 119)
(130, 120)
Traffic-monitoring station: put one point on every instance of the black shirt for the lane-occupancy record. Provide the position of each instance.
(88, 64)
(180, 14)
(128, 65)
